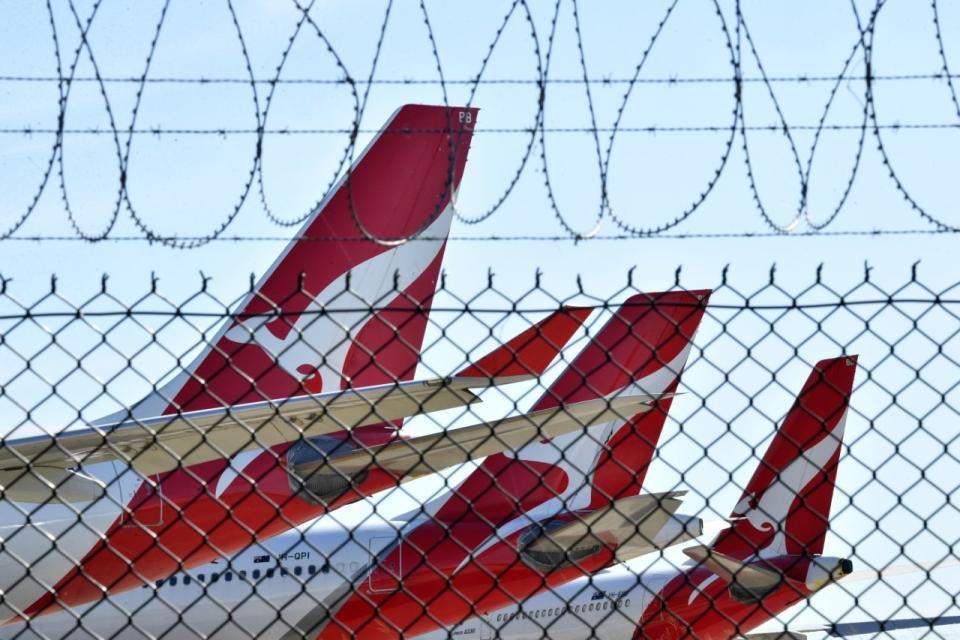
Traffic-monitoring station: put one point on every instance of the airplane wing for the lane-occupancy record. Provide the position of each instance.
(871, 627)
(163, 443)
(631, 525)
(424, 455)
(751, 577)
(845, 629)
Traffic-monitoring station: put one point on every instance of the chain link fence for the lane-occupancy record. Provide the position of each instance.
(706, 462)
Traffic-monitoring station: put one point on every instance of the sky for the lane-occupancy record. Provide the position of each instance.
(674, 150)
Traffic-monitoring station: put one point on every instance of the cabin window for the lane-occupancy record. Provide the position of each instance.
(173, 581)
(312, 569)
(228, 576)
(256, 574)
(186, 579)
(297, 570)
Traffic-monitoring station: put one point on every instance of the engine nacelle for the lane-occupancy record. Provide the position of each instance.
(310, 478)
(548, 546)
(539, 550)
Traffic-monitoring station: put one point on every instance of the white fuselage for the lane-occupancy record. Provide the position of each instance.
(270, 590)
(42, 542)
(258, 593)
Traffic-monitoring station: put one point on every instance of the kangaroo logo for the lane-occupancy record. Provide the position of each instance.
(577, 453)
(768, 512)
(316, 346)
(561, 452)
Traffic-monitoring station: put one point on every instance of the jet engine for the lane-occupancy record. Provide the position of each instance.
(311, 478)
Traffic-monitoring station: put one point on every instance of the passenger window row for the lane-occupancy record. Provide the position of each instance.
(227, 576)
(552, 612)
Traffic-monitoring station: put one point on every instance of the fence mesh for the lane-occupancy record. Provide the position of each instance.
(704, 462)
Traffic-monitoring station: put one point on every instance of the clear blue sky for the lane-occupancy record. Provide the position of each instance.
(188, 184)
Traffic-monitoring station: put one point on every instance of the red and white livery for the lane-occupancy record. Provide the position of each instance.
(252, 438)
(496, 538)
(769, 559)
(312, 583)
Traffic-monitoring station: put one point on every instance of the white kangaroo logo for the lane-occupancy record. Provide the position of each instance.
(320, 339)
(568, 452)
(769, 512)
(577, 453)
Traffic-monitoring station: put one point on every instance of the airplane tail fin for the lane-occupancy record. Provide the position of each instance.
(642, 349)
(785, 508)
(346, 302)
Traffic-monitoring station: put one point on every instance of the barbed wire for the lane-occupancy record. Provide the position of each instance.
(774, 128)
(795, 79)
(744, 57)
(530, 238)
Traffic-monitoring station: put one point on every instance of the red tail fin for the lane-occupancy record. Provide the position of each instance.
(658, 341)
(785, 508)
(346, 303)
(642, 349)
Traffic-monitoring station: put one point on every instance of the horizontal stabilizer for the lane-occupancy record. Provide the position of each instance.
(630, 526)
(866, 627)
(427, 454)
(635, 520)
(160, 444)
(873, 627)
(753, 579)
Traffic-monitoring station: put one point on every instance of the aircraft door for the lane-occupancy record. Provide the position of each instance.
(486, 629)
(144, 503)
(388, 565)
